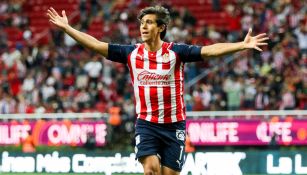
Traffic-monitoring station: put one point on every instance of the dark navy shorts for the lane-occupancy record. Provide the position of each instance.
(167, 141)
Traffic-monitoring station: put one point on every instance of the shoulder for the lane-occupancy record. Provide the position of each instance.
(120, 52)
(186, 52)
(177, 47)
(122, 47)
(181, 47)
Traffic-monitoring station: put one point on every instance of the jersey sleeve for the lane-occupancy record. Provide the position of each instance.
(119, 53)
(188, 53)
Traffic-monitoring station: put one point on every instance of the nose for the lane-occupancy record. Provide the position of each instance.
(144, 25)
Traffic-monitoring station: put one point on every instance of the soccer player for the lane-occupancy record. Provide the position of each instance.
(156, 70)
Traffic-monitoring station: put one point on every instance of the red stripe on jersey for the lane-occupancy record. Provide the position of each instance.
(139, 64)
(167, 104)
(154, 104)
(139, 60)
(152, 60)
(178, 92)
(143, 112)
(153, 90)
(166, 89)
(166, 64)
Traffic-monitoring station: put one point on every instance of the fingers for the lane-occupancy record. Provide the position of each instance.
(64, 13)
(263, 39)
(50, 14)
(258, 44)
(54, 16)
(261, 35)
(53, 11)
(258, 40)
(52, 21)
(250, 30)
(257, 48)
(262, 44)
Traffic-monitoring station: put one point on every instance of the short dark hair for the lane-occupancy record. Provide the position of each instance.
(163, 16)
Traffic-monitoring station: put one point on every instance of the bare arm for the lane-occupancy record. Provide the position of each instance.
(249, 42)
(83, 38)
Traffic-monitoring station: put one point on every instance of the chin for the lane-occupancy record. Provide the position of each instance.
(144, 39)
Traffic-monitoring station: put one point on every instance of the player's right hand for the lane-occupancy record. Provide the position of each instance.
(56, 19)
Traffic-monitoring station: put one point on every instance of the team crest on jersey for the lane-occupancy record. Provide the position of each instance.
(180, 134)
(165, 58)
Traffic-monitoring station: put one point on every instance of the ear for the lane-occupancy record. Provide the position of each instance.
(161, 28)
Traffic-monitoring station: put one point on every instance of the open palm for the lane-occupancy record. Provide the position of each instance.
(254, 42)
(56, 19)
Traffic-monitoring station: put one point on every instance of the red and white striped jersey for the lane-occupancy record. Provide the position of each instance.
(157, 78)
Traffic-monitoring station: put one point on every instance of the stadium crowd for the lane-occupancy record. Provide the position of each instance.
(62, 76)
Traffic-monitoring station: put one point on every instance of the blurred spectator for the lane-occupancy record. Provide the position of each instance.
(3, 7)
(249, 93)
(216, 6)
(187, 17)
(94, 69)
(48, 91)
(233, 89)
(90, 143)
(273, 144)
(95, 7)
(28, 83)
(28, 145)
(7, 104)
(234, 23)
(288, 100)
(247, 18)
(302, 94)
(261, 99)
(68, 41)
(83, 99)
(3, 39)
(301, 34)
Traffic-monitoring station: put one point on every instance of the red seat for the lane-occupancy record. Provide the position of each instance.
(101, 107)
(36, 11)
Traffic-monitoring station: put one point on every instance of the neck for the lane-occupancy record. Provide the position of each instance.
(153, 45)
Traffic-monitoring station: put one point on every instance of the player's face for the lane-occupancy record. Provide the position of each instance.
(149, 28)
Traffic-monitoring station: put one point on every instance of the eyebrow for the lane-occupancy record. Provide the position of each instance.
(147, 20)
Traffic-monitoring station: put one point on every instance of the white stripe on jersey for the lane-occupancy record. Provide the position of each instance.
(181, 91)
(173, 89)
(136, 90)
(161, 116)
(147, 89)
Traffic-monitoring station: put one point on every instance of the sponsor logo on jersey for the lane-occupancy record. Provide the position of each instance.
(150, 78)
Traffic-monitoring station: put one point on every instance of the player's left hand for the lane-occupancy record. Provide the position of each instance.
(254, 42)
(56, 19)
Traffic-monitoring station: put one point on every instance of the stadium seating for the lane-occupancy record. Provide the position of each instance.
(73, 58)
(36, 11)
